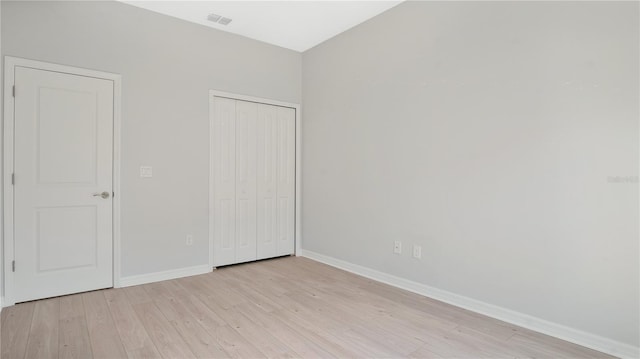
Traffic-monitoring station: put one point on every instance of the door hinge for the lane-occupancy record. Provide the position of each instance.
(13, 179)
(113, 194)
(13, 266)
(14, 91)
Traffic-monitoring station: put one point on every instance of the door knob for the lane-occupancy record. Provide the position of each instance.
(104, 195)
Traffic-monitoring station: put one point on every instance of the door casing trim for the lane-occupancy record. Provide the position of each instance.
(298, 162)
(10, 63)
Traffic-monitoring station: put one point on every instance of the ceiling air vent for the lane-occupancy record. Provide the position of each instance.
(219, 19)
(213, 17)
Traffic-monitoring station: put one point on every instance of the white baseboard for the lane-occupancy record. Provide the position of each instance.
(164, 275)
(569, 334)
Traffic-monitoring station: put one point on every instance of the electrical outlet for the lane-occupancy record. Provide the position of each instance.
(189, 240)
(146, 171)
(397, 247)
(417, 252)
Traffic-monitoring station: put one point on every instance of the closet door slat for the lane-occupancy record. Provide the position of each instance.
(224, 206)
(286, 180)
(267, 181)
(246, 118)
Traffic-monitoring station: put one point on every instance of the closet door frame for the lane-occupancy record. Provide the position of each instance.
(298, 154)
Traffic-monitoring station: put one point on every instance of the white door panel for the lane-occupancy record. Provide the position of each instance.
(246, 115)
(267, 185)
(286, 180)
(254, 181)
(224, 211)
(63, 155)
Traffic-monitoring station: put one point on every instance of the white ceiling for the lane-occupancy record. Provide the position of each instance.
(296, 25)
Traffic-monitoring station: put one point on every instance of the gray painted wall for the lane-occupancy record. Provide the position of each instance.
(167, 67)
(485, 132)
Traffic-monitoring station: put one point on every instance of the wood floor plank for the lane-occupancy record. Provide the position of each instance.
(74, 339)
(186, 299)
(74, 342)
(103, 335)
(132, 333)
(137, 295)
(285, 307)
(259, 336)
(275, 286)
(16, 323)
(201, 343)
(219, 290)
(159, 290)
(208, 319)
(166, 339)
(539, 345)
(234, 344)
(367, 323)
(424, 353)
(251, 332)
(256, 298)
(329, 342)
(71, 306)
(295, 340)
(43, 336)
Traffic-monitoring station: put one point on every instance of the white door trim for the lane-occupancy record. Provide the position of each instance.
(298, 154)
(10, 63)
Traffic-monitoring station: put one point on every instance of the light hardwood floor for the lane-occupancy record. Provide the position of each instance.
(285, 307)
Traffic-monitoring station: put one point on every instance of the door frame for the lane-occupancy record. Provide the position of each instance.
(10, 63)
(298, 154)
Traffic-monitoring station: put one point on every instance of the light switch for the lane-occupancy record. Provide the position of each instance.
(146, 172)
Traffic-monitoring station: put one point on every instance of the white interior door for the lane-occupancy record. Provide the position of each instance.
(63, 184)
(286, 163)
(253, 163)
(224, 181)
